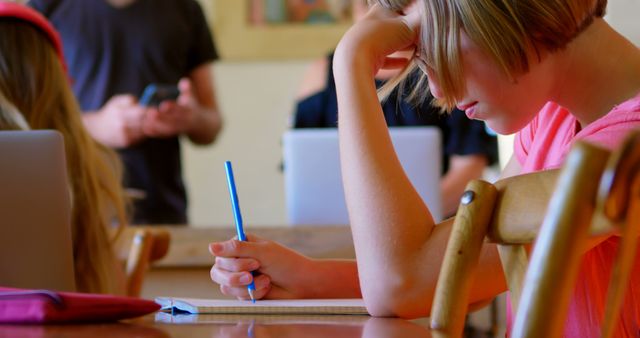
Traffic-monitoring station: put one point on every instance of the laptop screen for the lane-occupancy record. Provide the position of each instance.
(35, 229)
(313, 182)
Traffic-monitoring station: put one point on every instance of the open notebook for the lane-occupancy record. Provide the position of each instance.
(292, 306)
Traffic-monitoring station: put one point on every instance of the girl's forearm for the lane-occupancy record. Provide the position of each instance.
(390, 223)
(333, 279)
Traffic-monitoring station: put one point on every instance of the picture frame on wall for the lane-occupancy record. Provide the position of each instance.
(248, 30)
(273, 12)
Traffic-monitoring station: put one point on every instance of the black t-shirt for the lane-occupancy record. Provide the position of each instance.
(113, 51)
(461, 136)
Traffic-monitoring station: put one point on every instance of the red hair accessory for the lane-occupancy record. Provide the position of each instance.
(18, 11)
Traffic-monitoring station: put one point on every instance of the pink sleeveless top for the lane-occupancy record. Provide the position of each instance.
(544, 144)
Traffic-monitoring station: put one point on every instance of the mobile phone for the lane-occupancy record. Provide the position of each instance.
(155, 93)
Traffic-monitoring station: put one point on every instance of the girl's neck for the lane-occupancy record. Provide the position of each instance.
(596, 71)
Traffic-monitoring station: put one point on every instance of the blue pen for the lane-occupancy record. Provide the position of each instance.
(237, 216)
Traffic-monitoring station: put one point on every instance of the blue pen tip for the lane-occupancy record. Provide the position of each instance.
(253, 299)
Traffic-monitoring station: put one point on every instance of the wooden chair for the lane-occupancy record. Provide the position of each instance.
(138, 247)
(594, 193)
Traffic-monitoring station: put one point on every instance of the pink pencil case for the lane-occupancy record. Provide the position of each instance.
(22, 306)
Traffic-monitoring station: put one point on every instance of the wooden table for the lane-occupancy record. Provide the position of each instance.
(163, 325)
(184, 272)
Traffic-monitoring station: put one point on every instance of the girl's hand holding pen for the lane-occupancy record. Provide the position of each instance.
(280, 273)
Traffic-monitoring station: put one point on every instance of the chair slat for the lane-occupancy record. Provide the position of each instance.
(461, 258)
(520, 208)
(514, 260)
(550, 280)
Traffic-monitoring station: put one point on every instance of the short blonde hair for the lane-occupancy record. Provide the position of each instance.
(508, 30)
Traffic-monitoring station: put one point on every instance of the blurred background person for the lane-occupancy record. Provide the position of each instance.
(115, 48)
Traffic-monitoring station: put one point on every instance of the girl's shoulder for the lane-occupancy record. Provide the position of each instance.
(611, 129)
(542, 143)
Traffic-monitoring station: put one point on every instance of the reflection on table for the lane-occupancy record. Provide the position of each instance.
(161, 325)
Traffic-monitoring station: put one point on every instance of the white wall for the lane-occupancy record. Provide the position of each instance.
(624, 16)
(257, 99)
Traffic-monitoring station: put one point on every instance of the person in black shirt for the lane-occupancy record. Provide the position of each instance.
(115, 48)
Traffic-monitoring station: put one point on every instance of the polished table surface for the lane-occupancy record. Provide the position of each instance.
(184, 272)
(254, 326)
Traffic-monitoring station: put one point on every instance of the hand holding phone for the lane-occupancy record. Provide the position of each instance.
(155, 93)
(171, 117)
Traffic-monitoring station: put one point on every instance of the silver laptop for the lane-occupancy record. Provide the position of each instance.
(35, 207)
(313, 183)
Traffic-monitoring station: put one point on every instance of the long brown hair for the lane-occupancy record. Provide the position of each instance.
(33, 80)
(10, 117)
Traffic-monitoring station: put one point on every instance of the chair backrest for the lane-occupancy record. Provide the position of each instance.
(138, 247)
(556, 209)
